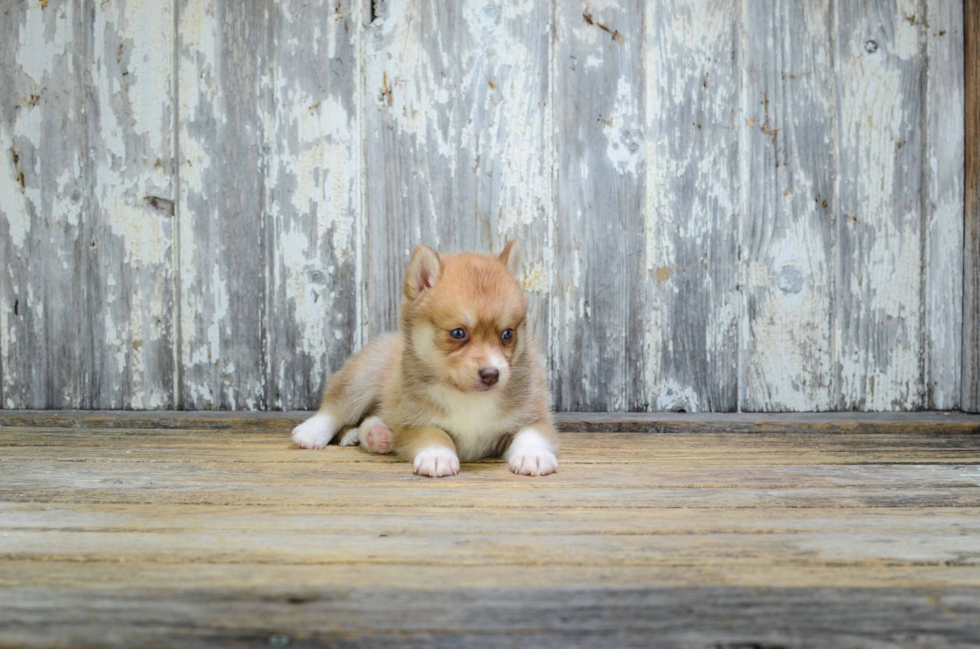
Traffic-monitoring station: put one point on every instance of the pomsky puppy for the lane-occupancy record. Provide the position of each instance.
(460, 380)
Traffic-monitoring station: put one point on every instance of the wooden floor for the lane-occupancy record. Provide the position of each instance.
(148, 530)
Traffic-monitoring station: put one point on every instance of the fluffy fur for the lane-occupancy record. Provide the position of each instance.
(433, 398)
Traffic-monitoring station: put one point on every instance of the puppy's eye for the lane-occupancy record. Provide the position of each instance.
(507, 335)
(458, 334)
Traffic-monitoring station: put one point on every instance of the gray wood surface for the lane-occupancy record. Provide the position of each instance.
(224, 137)
(208, 205)
(597, 356)
(943, 292)
(120, 535)
(880, 226)
(718, 616)
(788, 205)
(86, 205)
(691, 337)
(313, 192)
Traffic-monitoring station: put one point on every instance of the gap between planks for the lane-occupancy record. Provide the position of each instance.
(946, 422)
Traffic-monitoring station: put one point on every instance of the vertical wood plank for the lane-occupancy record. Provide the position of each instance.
(787, 236)
(880, 216)
(971, 241)
(600, 274)
(84, 193)
(458, 142)
(943, 180)
(130, 141)
(313, 197)
(692, 119)
(45, 200)
(224, 92)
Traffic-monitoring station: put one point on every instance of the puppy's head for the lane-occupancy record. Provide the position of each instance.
(464, 317)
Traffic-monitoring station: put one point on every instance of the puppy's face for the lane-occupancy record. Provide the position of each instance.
(465, 317)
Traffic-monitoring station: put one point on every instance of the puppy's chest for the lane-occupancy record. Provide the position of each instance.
(475, 424)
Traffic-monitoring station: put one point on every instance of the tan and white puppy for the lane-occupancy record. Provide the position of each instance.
(460, 380)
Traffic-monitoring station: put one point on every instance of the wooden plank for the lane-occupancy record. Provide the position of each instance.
(691, 327)
(204, 537)
(308, 579)
(880, 220)
(788, 169)
(89, 449)
(467, 521)
(458, 142)
(131, 257)
(86, 206)
(313, 188)
(45, 320)
(971, 241)
(625, 471)
(943, 201)
(257, 544)
(224, 144)
(719, 616)
(830, 423)
(601, 290)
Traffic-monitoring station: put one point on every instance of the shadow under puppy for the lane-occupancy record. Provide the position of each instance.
(460, 380)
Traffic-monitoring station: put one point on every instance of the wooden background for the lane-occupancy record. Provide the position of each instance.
(208, 204)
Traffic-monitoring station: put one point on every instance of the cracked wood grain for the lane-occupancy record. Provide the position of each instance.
(879, 316)
(86, 276)
(788, 165)
(600, 292)
(692, 142)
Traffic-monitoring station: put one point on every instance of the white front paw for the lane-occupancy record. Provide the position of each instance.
(533, 461)
(315, 432)
(531, 454)
(436, 462)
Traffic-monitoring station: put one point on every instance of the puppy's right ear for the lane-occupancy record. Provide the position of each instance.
(422, 273)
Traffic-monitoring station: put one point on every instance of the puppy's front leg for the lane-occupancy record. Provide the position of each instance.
(532, 451)
(431, 449)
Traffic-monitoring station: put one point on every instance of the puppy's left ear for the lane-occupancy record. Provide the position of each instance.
(422, 273)
(511, 256)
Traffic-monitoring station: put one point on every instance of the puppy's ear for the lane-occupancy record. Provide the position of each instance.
(422, 273)
(511, 256)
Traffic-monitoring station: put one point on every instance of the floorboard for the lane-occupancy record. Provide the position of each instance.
(128, 529)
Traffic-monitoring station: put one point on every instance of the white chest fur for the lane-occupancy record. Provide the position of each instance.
(474, 421)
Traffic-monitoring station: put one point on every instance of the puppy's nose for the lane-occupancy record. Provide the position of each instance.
(489, 375)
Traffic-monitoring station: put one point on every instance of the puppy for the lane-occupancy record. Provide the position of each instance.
(460, 380)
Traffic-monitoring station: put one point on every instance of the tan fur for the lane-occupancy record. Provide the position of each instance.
(426, 386)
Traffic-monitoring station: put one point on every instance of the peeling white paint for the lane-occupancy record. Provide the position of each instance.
(880, 346)
(625, 145)
(40, 46)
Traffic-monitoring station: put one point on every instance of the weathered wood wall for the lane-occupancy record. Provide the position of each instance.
(757, 205)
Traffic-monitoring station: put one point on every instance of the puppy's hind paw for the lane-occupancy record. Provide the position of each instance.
(436, 462)
(315, 432)
(376, 436)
